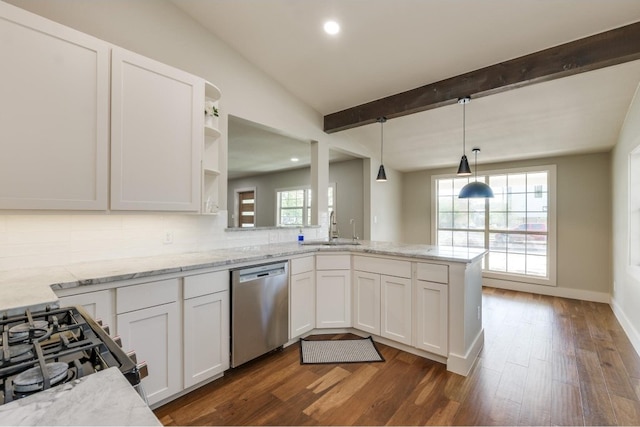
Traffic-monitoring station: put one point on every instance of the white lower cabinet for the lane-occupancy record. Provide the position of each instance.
(366, 302)
(333, 291)
(302, 297)
(382, 305)
(206, 326)
(98, 304)
(148, 322)
(395, 307)
(431, 307)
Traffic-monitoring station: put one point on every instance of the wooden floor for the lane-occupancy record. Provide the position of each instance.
(546, 361)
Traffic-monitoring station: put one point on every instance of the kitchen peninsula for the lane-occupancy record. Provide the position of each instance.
(428, 299)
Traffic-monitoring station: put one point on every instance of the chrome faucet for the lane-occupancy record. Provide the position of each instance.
(353, 236)
(333, 227)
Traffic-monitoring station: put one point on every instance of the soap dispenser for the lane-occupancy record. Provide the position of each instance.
(300, 237)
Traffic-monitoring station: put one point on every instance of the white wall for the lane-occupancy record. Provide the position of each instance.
(626, 278)
(159, 30)
(583, 221)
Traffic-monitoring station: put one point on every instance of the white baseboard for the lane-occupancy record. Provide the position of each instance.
(629, 328)
(553, 291)
(462, 364)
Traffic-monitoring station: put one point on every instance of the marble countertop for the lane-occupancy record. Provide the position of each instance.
(35, 287)
(104, 398)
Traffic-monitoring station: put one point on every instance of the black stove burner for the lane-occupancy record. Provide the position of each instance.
(33, 380)
(20, 351)
(64, 344)
(22, 331)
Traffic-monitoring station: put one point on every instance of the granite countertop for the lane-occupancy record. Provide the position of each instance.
(35, 287)
(104, 398)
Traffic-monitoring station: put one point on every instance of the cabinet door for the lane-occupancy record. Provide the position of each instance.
(333, 299)
(54, 112)
(98, 304)
(303, 303)
(157, 116)
(431, 317)
(366, 302)
(206, 337)
(154, 334)
(396, 308)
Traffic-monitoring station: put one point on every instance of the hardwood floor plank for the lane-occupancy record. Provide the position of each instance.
(589, 369)
(512, 383)
(442, 415)
(566, 404)
(581, 334)
(328, 380)
(596, 404)
(296, 385)
(341, 392)
(630, 358)
(503, 412)
(395, 386)
(615, 375)
(475, 408)
(562, 336)
(535, 408)
(565, 368)
(627, 411)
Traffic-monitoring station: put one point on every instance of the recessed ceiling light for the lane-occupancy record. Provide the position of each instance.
(295, 159)
(331, 27)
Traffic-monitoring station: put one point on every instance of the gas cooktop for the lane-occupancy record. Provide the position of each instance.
(46, 348)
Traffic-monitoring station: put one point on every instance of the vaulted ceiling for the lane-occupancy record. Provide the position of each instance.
(388, 47)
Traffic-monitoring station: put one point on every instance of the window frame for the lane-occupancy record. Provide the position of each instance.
(496, 277)
(306, 208)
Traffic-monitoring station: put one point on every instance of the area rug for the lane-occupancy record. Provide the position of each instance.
(338, 351)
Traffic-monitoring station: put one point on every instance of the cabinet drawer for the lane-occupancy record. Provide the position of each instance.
(389, 267)
(333, 262)
(203, 284)
(146, 295)
(301, 265)
(433, 272)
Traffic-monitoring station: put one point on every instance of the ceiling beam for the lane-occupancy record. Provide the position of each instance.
(591, 53)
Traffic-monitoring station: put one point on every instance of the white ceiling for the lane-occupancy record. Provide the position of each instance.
(390, 46)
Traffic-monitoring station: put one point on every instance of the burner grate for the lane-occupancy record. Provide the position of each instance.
(44, 349)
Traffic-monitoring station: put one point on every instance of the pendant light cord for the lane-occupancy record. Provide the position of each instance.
(381, 120)
(464, 127)
(381, 140)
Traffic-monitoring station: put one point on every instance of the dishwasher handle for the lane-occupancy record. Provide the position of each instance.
(260, 272)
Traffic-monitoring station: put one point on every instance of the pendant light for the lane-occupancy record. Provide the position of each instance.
(475, 189)
(463, 169)
(382, 176)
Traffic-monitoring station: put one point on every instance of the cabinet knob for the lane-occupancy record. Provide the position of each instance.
(132, 355)
(118, 340)
(143, 370)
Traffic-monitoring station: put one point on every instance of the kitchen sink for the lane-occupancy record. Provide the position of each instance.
(331, 243)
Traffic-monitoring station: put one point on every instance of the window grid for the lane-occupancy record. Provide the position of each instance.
(294, 205)
(513, 225)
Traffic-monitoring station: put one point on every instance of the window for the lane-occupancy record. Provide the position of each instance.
(293, 203)
(291, 207)
(516, 225)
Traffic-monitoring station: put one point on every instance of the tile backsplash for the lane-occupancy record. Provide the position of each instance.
(42, 240)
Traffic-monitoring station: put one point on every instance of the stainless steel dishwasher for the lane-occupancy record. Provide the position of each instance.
(259, 310)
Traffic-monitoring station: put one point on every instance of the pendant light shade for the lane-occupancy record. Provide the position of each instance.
(476, 189)
(382, 176)
(464, 169)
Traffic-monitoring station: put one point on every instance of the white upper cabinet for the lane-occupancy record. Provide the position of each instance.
(157, 121)
(54, 115)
